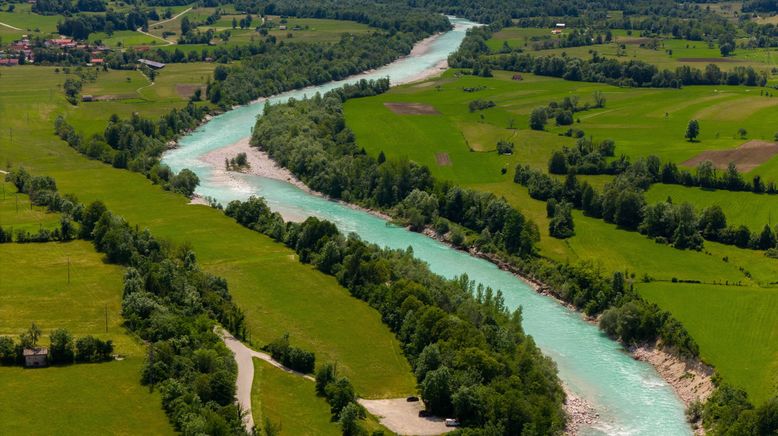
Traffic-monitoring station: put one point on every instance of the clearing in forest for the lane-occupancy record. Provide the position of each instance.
(746, 157)
(412, 109)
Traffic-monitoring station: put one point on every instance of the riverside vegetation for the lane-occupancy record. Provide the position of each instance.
(310, 139)
(642, 17)
(469, 365)
(169, 302)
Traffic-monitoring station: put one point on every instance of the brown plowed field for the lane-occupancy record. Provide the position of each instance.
(746, 157)
(412, 109)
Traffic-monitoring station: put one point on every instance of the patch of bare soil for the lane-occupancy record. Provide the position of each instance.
(111, 97)
(634, 41)
(412, 109)
(442, 159)
(186, 91)
(708, 60)
(746, 157)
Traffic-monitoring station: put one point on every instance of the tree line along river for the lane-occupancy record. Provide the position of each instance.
(628, 395)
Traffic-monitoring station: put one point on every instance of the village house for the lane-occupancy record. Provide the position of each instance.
(36, 357)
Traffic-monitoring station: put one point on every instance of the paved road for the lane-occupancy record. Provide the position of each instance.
(243, 357)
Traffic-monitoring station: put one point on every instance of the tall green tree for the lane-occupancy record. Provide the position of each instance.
(538, 118)
(692, 130)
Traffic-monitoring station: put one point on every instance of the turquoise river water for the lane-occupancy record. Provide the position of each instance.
(629, 396)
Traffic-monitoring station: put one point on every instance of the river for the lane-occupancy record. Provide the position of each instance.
(629, 396)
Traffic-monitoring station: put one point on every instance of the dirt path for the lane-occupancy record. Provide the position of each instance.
(137, 91)
(140, 29)
(243, 357)
(397, 414)
(172, 18)
(10, 26)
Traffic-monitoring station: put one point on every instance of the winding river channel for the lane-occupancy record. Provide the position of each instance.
(628, 395)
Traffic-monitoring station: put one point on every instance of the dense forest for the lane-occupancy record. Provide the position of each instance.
(470, 355)
(279, 67)
(170, 303)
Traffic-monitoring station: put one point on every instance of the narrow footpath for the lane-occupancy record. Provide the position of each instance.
(243, 357)
(140, 29)
(397, 414)
(10, 26)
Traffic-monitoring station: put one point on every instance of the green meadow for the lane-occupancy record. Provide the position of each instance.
(749, 209)
(123, 38)
(77, 399)
(642, 122)
(277, 293)
(23, 18)
(16, 212)
(670, 53)
(291, 404)
(746, 355)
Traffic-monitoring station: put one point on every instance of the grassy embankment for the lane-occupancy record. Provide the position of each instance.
(75, 399)
(277, 293)
(635, 119)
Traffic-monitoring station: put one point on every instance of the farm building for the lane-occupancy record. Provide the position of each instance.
(152, 64)
(35, 357)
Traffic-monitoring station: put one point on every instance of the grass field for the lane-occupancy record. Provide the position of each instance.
(752, 210)
(102, 398)
(16, 212)
(642, 122)
(316, 30)
(290, 402)
(746, 355)
(123, 38)
(670, 54)
(277, 293)
(23, 18)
